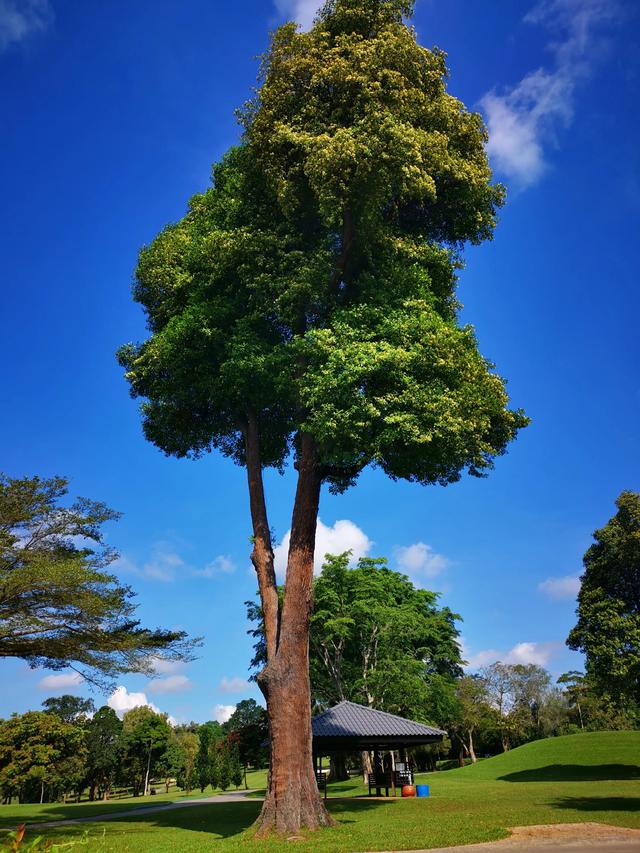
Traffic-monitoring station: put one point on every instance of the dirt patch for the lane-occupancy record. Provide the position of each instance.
(588, 834)
(571, 832)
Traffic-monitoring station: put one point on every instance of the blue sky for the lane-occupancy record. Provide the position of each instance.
(111, 117)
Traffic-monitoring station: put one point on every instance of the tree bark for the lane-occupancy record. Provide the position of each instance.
(338, 768)
(293, 801)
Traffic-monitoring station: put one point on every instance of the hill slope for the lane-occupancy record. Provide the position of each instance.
(581, 757)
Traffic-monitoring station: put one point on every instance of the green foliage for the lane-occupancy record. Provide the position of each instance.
(249, 728)
(58, 604)
(207, 768)
(313, 286)
(105, 745)
(146, 737)
(223, 753)
(608, 627)
(378, 640)
(235, 765)
(187, 776)
(40, 756)
(70, 709)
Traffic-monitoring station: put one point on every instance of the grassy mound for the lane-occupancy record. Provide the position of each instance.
(590, 756)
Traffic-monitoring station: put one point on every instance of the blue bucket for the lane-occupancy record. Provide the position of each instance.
(422, 790)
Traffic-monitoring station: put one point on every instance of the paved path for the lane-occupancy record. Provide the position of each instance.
(231, 797)
(566, 837)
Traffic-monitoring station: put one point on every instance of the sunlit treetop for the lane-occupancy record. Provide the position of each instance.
(312, 287)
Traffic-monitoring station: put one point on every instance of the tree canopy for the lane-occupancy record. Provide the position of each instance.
(608, 627)
(59, 606)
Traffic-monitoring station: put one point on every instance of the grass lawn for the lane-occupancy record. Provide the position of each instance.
(14, 814)
(587, 777)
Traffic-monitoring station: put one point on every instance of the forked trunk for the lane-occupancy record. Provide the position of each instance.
(293, 801)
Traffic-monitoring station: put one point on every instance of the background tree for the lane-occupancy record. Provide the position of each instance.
(305, 307)
(608, 627)
(473, 712)
(379, 641)
(40, 756)
(147, 736)
(208, 734)
(59, 606)
(188, 777)
(235, 765)
(105, 748)
(224, 769)
(70, 709)
(250, 729)
(171, 764)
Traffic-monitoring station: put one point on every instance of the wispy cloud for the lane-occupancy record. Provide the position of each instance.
(171, 684)
(523, 120)
(20, 19)
(302, 11)
(344, 535)
(220, 565)
(166, 564)
(420, 561)
(63, 681)
(559, 588)
(235, 684)
(527, 652)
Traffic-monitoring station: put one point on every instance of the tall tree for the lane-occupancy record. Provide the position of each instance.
(608, 627)
(105, 746)
(59, 606)
(473, 712)
(378, 640)
(71, 709)
(305, 307)
(147, 735)
(249, 728)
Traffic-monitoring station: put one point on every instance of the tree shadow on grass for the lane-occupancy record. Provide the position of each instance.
(221, 820)
(599, 804)
(574, 773)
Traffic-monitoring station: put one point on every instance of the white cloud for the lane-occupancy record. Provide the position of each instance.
(220, 565)
(20, 19)
(171, 684)
(236, 684)
(538, 653)
(420, 561)
(302, 11)
(343, 536)
(63, 681)
(559, 588)
(525, 118)
(221, 713)
(121, 700)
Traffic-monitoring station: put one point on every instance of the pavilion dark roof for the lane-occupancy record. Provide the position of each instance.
(349, 720)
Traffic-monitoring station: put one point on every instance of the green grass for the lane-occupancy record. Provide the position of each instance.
(11, 816)
(588, 777)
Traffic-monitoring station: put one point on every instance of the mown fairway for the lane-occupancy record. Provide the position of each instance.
(589, 777)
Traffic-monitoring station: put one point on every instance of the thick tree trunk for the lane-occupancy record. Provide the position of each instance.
(367, 767)
(293, 801)
(338, 768)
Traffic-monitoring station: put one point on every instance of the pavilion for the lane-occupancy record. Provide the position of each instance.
(348, 727)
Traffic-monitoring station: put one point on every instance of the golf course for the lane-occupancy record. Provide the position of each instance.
(590, 777)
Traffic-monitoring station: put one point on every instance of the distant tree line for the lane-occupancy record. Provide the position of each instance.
(70, 750)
